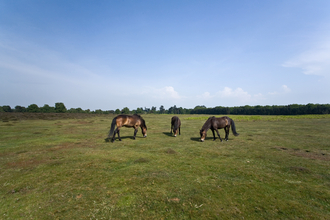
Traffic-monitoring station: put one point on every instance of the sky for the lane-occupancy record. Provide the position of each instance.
(114, 54)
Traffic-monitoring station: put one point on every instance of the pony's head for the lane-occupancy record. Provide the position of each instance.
(175, 131)
(203, 134)
(144, 131)
(143, 128)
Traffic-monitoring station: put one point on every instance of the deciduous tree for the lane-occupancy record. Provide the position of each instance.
(60, 107)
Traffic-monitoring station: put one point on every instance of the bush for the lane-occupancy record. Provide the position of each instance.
(6, 108)
(33, 108)
(60, 107)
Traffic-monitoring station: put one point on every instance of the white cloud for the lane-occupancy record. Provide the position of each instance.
(239, 97)
(313, 62)
(286, 89)
(231, 97)
(167, 92)
(238, 93)
(205, 95)
(283, 90)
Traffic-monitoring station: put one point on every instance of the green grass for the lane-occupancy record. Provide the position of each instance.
(277, 168)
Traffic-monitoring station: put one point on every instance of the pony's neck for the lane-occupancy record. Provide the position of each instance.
(208, 124)
(176, 125)
(143, 124)
(206, 127)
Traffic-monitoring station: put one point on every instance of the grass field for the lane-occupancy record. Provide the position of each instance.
(61, 168)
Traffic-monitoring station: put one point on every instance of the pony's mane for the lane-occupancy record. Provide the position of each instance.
(143, 123)
(207, 124)
(176, 124)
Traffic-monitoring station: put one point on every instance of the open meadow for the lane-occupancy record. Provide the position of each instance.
(58, 166)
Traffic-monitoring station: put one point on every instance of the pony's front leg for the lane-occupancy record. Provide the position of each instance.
(135, 131)
(179, 131)
(218, 134)
(213, 135)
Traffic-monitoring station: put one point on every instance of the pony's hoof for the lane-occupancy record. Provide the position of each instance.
(106, 140)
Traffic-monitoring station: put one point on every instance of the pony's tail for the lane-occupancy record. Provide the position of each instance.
(113, 124)
(233, 128)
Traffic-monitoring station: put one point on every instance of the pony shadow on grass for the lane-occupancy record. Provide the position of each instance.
(122, 138)
(198, 139)
(169, 134)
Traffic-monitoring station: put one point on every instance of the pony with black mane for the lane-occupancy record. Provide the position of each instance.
(132, 121)
(175, 125)
(214, 124)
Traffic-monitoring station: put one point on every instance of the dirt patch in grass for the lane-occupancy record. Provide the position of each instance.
(25, 163)
(82, 122)
(21, 152)
(63, 146)
(175, 200)
(141, 160)
(280, 148)
(170, 151)
(312, 155)
(305, 153)
(24, 190)
(300, 169)
(8, 124)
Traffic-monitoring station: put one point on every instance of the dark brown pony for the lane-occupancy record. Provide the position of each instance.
(175, 125)
(131, 121)
(214, 123)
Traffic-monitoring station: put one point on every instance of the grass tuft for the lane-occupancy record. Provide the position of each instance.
(141, 160)
(170, 151)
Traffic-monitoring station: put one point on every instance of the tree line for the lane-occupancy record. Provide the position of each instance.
(293, 109)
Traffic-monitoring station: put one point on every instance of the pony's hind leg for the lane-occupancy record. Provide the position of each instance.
(227, 133)
(114, 135)
(119, 136)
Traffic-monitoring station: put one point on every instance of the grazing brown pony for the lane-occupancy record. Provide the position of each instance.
(175, 125)
(131, 121)
(214, 123)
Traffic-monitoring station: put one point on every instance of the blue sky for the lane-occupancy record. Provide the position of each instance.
(115, 54)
